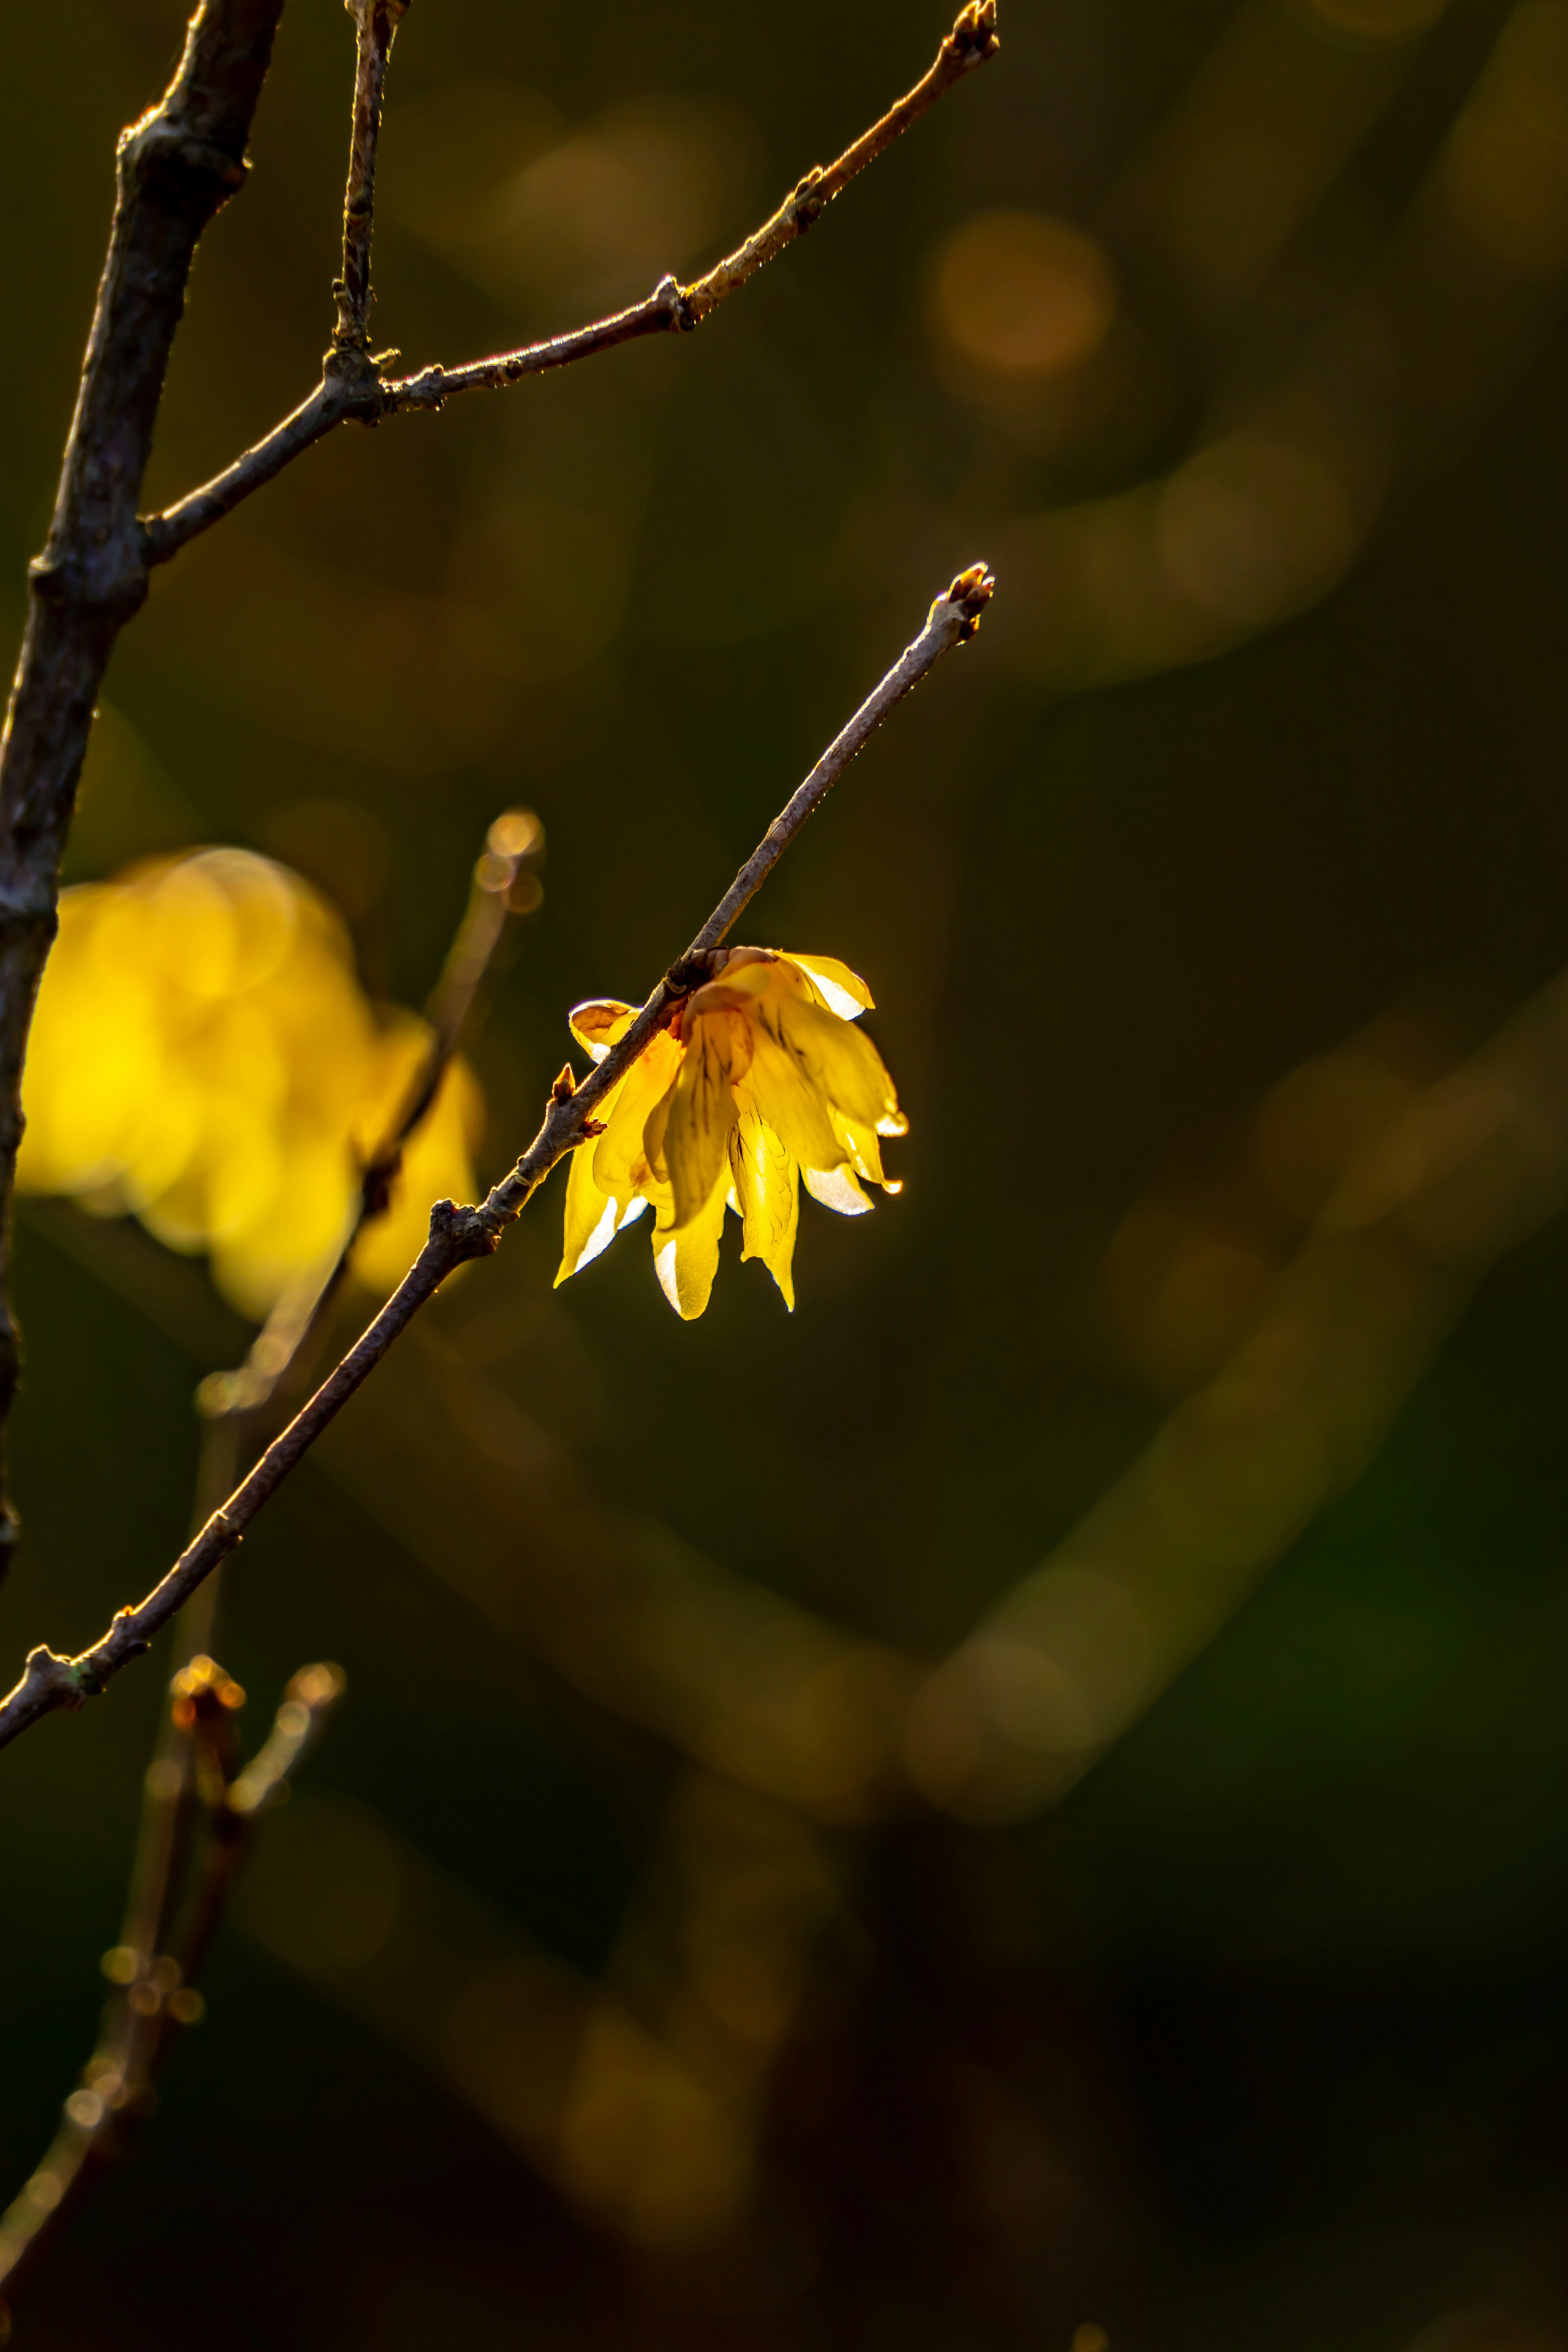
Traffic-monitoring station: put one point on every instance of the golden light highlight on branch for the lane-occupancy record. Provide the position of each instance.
(352, 386)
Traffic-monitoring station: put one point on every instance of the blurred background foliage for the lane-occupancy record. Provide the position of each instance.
(703, 1927)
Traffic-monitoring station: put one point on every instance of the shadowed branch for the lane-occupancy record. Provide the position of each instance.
(175, 168)
(376, 21)
(193, 1838)
(196, 1809)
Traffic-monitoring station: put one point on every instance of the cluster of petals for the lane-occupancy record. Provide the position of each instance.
(759, 1081)
(203, 1058)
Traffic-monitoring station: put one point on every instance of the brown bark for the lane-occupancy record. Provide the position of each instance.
(175, 167)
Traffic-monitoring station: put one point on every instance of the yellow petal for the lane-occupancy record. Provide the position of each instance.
(757, 960)
(769, 1196)
(785, 1098)
(686, 1260)
(838, 1060)
(620, 1168)
(718, 996)
(590, 1215)
(702, 1111)
(861, 1147)
(835, 1188)
(839, 989)
(600, 1023)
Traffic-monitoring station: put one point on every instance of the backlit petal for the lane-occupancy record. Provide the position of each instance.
(861, 1149)
(838, 1059)
(620, 1168)
(835, 1188)
(593, 1218)
(784, 1096)
(839, 989)
(581, 1249)
(701, 1112)
(769, 1197)
(600, 1023)
(685, 1260)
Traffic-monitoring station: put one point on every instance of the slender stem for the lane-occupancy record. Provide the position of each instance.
(157, 1962)
(175, 167)
(163, 535)
(953, 619)
(50, 1681)
(973, 39)
(358, 391)
(287, 1337)
(144, 2020)
(140, 2028)
(377, 21)
(662, 313)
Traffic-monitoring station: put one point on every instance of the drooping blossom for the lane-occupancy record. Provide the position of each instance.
(759, 1081)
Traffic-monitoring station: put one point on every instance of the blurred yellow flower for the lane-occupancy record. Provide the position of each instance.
(202, 1056)
(758, 1079)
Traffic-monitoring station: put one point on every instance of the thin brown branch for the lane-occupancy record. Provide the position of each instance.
(180, 1796)
(376, 22)
(175, 168)
(285, 1341)
(157, 1963)
(973, 39)
(671, 308)
(458, 1235)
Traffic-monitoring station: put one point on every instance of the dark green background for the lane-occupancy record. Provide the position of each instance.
(1282, 1989)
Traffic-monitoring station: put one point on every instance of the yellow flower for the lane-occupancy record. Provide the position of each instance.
(203, 1057)
(758, 1079)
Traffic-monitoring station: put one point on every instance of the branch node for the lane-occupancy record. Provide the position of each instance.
(670, 296)
(56, 1681)
(160, 148)
(807, 207)
(691, 972)
(93, 579)
(460, 1234)
(352, 376)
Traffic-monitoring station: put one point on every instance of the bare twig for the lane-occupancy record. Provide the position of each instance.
(175, 167)
(189, 1783)
(285, 1338)
(458, 1235)
(237, 1407)
(360, 394)
(973, 39)
(376, 21)
(164, 1939)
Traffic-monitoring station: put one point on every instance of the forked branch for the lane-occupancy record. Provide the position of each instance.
(456, 1235)
(196, 1810)
(176, 166)
(194, 1838)
(358, 391)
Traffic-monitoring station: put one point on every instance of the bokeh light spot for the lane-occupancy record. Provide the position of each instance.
(1022, 294)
